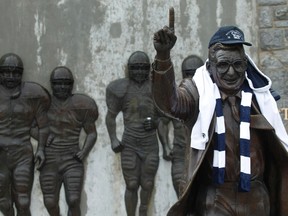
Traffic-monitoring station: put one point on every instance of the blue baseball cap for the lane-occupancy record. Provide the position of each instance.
(228, 35)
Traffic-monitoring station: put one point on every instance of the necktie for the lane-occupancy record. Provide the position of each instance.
(235, 111)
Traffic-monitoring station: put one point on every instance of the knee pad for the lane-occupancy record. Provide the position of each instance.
(22, 201)
(132, 185)
(50, 201)
(147, 185)
(5, 205)
(73, 200)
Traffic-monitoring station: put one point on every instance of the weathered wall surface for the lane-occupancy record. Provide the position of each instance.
(94, 38)
(273, 52)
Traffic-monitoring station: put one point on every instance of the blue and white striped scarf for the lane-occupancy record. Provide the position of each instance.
(206, 88)
(219, 157)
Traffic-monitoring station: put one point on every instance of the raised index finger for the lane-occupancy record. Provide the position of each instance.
(171, 18)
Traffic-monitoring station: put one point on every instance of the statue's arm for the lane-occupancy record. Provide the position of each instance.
(180, 102)
(43, 125)
(111, 128)
(163, 134)
(90, 140)
(114, 105)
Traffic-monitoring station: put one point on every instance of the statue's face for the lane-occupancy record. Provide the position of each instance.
(11, 78)
(229, 70)
(139, 72)
(62, 89)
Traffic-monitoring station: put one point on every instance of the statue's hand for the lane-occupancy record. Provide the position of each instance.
(39, 156)
(50, 139)
(80, 155)
(149, 124)
(167, 154)
(117, 146)
(164, 40)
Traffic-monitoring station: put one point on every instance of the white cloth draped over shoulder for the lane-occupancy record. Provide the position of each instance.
(266, 102)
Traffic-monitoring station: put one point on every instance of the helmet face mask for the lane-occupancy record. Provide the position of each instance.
(11, 78)
(62, 89)
(11, 70)
(139, 72)
(62, 83)
(139, 67)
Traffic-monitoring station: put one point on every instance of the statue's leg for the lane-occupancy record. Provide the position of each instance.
(177, 169)
(73, 183)
(6, 206)
(149, 169)
(23, 176)
(131, 172)
(51, 182)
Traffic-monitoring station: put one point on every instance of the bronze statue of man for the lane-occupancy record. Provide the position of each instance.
(238, 161)
(180, 136)
(139, 146)
(21, 104)
(68, 114)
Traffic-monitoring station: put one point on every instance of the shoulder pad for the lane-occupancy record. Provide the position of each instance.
(32, 89)
(84, 101)
(118, 88)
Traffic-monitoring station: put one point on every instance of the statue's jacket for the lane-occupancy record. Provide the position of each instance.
(171, 102)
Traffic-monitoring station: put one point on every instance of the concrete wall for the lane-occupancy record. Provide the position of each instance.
(94, 38)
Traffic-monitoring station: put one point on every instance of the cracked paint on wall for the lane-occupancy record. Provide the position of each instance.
(39, 30)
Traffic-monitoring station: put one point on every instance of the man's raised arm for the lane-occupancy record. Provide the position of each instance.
(163, 74)
(180, 102)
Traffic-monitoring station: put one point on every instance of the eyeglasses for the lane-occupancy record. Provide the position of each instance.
(239, 66)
